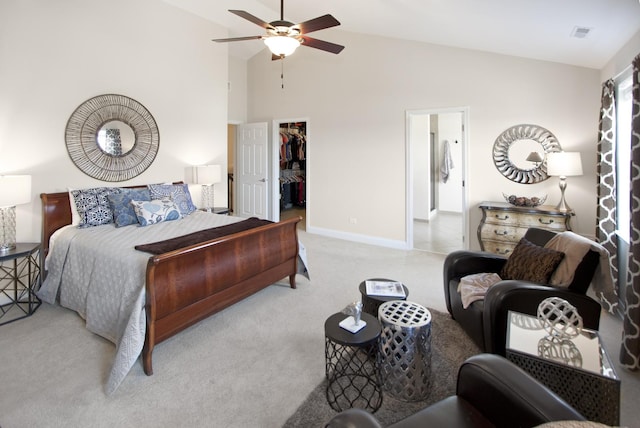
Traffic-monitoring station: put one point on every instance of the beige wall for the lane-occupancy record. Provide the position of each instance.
(357, 100)
(54, 55)
(622, 59)
(237, 90)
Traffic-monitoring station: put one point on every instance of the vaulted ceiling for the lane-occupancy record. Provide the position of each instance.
(537, 29)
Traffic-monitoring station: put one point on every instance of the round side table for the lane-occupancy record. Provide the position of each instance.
(405, 350)
(370, 304)
(353, 379)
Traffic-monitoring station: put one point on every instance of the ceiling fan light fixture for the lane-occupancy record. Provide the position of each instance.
(282, 45)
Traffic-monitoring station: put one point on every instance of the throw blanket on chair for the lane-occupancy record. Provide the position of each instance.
(474, 287)
(575, 247)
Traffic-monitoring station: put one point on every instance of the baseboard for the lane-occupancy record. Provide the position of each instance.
(364, 239)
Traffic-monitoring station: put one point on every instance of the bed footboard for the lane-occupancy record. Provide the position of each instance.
(190, 284)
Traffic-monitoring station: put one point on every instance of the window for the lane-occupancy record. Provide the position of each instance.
(624, 86)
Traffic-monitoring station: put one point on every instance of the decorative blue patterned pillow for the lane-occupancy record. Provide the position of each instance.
(120, 204)
(179, 193)
(93, 205)
(156, 211)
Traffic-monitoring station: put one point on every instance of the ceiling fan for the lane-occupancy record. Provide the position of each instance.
(283, 37)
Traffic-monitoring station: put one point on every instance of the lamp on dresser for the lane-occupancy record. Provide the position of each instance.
(14, 190)
(563, 165)
(207, 176)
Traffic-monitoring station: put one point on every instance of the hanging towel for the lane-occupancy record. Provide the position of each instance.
(447, 162)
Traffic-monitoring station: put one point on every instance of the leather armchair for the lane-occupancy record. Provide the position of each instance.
(485, 321)
(491, 392)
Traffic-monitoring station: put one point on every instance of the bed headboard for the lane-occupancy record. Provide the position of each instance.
(56, 213)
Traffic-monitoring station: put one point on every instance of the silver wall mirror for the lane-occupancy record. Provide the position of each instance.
(116, 138)
(112, 137)
(516, 146)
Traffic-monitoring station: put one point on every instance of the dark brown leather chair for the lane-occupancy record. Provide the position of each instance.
(491, 392)
(485, 321)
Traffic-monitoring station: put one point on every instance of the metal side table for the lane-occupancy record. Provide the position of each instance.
(578, 370)
(405, 349)
(350, 364)
(371, 303)
(19, 281)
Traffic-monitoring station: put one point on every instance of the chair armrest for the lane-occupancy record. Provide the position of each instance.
(353, 418)
(504, 393)
(462, 263)
(524, 297)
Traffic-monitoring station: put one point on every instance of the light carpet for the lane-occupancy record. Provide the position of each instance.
(251, 365)
(450, 347)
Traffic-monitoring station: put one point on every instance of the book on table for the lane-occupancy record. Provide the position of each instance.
(385, 288)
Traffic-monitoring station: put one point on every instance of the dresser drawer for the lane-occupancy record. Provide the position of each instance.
(544, 221)
(500, 217)
(502, 233)
(497, 247)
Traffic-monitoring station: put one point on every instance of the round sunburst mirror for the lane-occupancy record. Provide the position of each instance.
(519, 153)
(112, 137)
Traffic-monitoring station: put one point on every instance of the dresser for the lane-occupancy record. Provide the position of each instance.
(503, 224)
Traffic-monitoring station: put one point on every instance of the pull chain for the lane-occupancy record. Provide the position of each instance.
(282, 70)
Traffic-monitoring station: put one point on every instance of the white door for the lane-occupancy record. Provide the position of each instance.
(252, 170)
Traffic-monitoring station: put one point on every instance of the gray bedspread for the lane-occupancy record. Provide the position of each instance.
(97, 273)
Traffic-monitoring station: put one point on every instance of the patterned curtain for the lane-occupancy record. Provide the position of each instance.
(606, 171)
(630, 348)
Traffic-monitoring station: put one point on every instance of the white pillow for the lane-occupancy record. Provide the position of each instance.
(75, 216)
(156, 211)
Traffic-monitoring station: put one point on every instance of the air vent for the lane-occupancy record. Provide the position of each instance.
(580, 32)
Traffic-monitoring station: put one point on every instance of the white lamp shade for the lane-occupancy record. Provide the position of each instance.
(564, 164)
(282, 45)
(15, 190)
(208, 174)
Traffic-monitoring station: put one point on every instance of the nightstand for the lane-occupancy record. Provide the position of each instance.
(19, 280)
(218, 210)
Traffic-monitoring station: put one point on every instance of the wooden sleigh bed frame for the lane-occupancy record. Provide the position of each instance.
(189, 284)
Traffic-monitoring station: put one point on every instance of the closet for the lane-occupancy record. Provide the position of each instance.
(293, 147)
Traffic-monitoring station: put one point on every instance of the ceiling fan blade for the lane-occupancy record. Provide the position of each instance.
(249, 17)
(236, 39)
(319, 23)
(321, 44)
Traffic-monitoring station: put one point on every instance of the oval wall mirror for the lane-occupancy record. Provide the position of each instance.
(112, 137)
(519, 153)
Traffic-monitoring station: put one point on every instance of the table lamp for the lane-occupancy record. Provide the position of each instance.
(564, 164)
(535, 158)
(14, 190)
(207, 176)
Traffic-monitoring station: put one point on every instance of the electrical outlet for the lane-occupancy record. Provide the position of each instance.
(353, 220)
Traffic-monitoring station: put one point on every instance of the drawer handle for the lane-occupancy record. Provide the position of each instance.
(506, 217)
(503, 252)
(545, 222)
(503, 233)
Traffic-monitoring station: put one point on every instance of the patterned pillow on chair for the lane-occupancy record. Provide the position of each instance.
(530, 262)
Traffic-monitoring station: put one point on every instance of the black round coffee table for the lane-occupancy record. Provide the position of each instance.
(351, 369)
(370, 304)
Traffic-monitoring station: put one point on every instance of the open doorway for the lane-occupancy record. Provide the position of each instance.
(290, 165)
(436, 142)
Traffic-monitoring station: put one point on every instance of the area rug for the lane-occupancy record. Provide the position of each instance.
(450, 347)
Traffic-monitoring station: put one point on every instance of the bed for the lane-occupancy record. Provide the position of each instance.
(138, 300)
